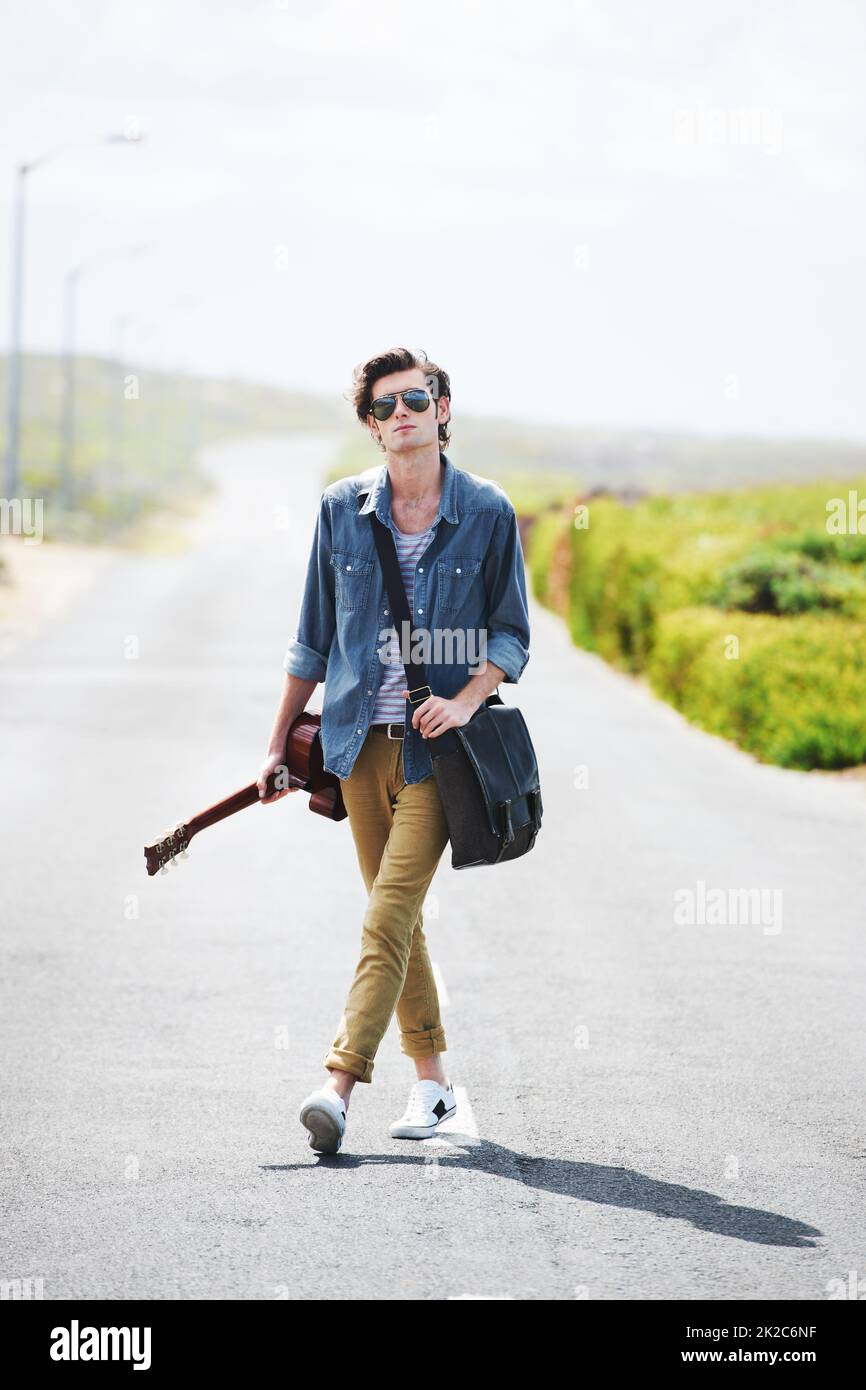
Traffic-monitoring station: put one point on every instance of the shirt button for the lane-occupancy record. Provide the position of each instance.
(420, 610)
(457, 571)
(357, 731)
(420, 569)
(385, 612)
(369, 692)
(348, 567)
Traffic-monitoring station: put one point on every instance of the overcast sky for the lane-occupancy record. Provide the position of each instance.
(620, 213)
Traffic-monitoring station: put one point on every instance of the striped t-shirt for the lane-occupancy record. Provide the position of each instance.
(390, 704)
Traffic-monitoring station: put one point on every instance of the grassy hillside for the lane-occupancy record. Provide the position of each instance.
(134, 456)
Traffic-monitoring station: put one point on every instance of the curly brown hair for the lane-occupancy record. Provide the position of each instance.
(360, 394)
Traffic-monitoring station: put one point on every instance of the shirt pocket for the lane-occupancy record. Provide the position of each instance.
(352, 575)
(457, 578)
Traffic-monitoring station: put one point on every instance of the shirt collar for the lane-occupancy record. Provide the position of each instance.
(379, 494)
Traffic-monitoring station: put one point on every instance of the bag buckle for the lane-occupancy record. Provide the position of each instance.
(415, 690)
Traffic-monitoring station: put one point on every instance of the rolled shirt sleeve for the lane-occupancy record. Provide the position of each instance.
(307, 652)
(508, 609)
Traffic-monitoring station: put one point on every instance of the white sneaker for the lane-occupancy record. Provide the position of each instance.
(323, 1113)
(428, 1105)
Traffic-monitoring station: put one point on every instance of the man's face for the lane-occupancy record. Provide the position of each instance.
(406, 430)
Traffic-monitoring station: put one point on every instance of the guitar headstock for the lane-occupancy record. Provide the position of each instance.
(166, 850)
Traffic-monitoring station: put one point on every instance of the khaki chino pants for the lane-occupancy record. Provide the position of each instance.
(400, 833)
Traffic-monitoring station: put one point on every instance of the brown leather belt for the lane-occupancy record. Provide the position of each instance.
(395, 729)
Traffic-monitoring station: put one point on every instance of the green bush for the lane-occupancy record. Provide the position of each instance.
(790, 690)
(774, 581)
(646, 586)
(634, 562)
(546, 534)
(849, 550)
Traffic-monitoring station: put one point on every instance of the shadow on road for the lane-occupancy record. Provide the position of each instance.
(591, 1182)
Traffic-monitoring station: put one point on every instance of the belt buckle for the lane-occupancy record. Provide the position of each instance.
(400, 726)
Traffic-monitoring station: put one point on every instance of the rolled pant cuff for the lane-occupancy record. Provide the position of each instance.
(423, 1044)
(352, 1062)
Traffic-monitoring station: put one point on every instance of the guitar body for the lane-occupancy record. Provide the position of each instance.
(304, 768)
(304, 759)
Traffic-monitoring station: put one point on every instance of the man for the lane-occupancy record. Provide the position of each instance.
(462, 566)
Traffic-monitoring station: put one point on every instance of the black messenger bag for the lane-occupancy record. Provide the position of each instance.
(486, 770)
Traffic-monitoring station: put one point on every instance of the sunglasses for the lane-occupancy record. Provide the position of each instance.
(416, 398)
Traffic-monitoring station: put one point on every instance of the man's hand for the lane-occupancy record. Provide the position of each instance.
(273, 763)
(436, 714)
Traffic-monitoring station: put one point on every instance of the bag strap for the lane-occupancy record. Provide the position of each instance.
(416, 671)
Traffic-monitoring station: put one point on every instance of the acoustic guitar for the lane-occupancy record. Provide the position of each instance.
(303, 767)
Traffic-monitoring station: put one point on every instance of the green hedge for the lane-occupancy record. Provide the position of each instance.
(657, 585)
(546, 536)
(790, 690)
(633, 563)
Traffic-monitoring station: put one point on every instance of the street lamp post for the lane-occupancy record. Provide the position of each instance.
(13, 440)
(19, 220)
(67, 432)
(116, 424)
(70, 327)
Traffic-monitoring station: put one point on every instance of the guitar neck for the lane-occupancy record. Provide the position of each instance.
(247, 796)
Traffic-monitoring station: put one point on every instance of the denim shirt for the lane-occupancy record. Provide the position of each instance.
(470, 579)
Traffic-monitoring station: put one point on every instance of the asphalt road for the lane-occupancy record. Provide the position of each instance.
(649, 1108)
